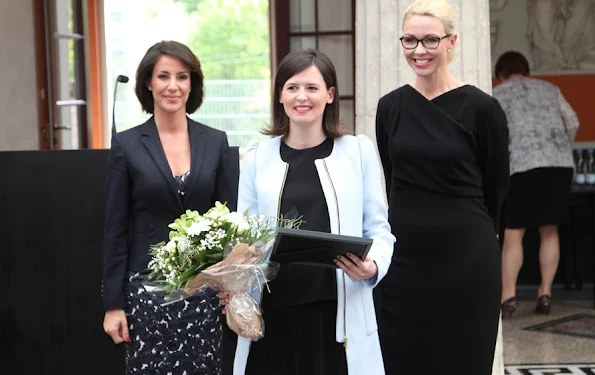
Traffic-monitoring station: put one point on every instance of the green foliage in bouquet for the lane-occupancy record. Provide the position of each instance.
(199, 241)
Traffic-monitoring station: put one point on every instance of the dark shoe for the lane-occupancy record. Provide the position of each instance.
(544, 304)
(509, 307)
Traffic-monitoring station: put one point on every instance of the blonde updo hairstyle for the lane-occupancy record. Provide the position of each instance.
(439, 9)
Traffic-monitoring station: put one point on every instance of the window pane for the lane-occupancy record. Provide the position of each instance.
(66, 127)
(64, 11)
(339, 49)
(237, 106)
(302, 15)
(298, 43)
(231, 40)
(334, 15)
(68, 80)
(67, 85)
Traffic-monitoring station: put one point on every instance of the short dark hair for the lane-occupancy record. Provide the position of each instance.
(145, 71)
(510, 63)
(292, 64)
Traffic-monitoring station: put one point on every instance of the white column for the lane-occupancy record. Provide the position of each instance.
(380, 66)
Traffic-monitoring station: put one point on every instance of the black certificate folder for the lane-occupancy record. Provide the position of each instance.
(316, 248)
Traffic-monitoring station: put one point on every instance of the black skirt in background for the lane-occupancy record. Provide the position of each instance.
(538, 197)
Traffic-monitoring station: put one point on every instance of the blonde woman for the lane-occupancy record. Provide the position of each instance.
(443, 146)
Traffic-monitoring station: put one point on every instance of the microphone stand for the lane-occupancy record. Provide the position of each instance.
(123, 79)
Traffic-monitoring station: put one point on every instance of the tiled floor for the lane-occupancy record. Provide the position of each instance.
(531, 347)
(576, 369)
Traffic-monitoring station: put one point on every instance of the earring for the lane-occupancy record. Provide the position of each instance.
(449, 50)
(150, 89)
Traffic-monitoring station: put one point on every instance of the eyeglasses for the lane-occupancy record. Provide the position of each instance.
(429, 42)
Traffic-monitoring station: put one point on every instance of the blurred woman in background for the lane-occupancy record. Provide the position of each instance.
(542, 127)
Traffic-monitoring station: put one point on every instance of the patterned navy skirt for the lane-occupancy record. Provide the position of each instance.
(181, 338)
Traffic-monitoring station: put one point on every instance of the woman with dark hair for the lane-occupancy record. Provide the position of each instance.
(318, 320)
(542, 127)
(157, 171)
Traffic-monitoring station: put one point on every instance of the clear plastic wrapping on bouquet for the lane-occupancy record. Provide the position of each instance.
(243, 273)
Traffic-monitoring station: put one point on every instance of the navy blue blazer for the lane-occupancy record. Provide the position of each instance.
(142, 196)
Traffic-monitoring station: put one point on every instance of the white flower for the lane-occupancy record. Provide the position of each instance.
(238, 220)
(213, 215)
(243, 227)
(197, 228)
(183, 244)
(235, 218)
(170, 247)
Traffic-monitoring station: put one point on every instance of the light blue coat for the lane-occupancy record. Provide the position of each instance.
(351, 182)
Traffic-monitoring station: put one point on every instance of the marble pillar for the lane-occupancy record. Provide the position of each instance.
(380, 66)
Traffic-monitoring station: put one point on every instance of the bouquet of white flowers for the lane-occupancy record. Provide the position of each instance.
(199, 241)
(221, 250)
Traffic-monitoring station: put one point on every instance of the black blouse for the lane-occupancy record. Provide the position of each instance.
(303, 197)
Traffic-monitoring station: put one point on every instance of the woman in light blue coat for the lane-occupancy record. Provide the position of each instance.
(317, 320)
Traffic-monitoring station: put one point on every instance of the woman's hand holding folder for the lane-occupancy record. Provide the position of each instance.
(355, 268)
